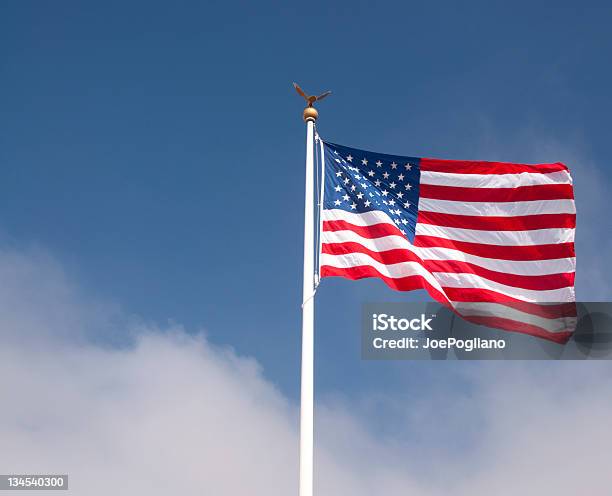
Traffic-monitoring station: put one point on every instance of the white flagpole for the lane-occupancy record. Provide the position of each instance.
(307, 383)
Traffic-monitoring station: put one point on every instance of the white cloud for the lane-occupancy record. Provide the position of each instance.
(171, 414)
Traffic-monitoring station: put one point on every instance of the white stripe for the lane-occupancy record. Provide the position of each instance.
(385, 243)
(484, 309)
(394, 271)
(499, 238)
(446, 279)
(453, 280)
(518, 267)
(494, 180)
(501, 209)
(363, 219)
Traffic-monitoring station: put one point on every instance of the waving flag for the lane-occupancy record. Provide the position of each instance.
(492, 240)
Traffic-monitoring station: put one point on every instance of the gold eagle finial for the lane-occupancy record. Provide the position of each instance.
(310, 98)
(310, 113)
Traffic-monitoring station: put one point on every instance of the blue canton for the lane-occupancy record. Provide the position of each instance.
(359, 181)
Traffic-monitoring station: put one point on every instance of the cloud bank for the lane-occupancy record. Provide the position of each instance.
(170, 414)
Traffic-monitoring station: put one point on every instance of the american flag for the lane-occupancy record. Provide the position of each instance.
(492, 240)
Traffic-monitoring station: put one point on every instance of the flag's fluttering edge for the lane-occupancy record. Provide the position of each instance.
(494, 241)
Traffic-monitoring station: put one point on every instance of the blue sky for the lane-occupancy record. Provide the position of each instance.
(157, 149)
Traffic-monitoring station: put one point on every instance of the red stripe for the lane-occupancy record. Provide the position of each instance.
(521, 327)
(369, 232)
(530, 252)
(548, 311)
(476, 167)
(393, 256)
(538, 283)
(497, 195)
(520, 223)
(399, 255)
(407, 283)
